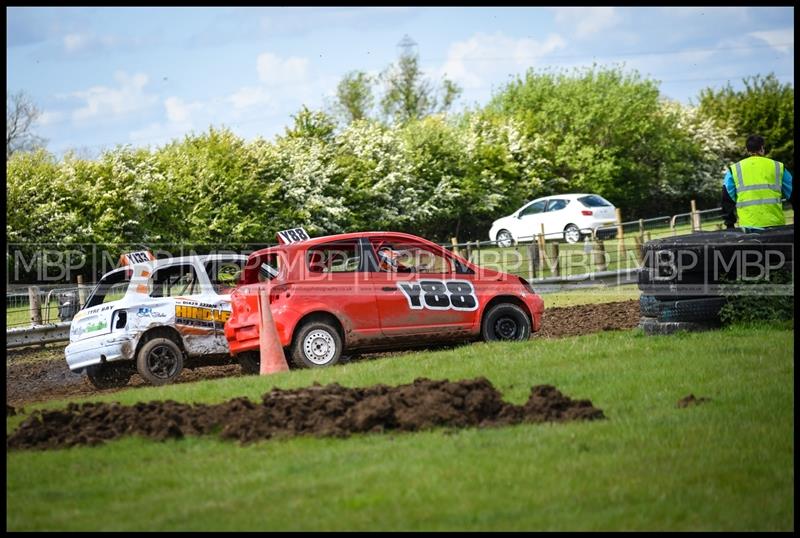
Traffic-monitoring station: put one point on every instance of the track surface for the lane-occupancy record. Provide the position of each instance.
(40, 374)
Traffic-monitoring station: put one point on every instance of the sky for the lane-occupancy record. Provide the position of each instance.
(144, 76)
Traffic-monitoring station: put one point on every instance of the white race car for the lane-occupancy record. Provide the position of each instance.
(153, 315)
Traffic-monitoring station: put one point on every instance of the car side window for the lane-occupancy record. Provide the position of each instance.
(224, 274)
(556, 205)
(174, 281)
(534, 208)
(403, 257)
(336, 257)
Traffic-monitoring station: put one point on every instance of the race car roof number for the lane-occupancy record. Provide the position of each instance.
(294, 235)
(141, 256)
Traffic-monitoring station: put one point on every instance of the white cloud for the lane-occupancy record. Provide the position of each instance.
(250, 96)
(484, 56)
(272, 69)
(587, 21)
(129, 96)
(77, 42)
(780, 40)
(178, 111)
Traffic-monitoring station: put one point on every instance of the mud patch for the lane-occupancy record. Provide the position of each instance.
(686, 401)
(589, 318)
(327, 411)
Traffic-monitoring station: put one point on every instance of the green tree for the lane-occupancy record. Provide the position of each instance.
(354, 98)
(410, 95)
(765, 106)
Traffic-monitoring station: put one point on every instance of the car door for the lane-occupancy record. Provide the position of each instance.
(555, 217)
(418, 292)
(529, 220)
(334, 281)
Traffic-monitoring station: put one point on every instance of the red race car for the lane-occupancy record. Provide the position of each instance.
(373, 291)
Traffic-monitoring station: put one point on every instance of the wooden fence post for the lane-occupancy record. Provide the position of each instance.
(533, 260)
(478, 249)
(620, 236)
(639, 253)
(600, 255)
(454, 242)
(695, 217)
(35, 306)
(553, 262)
(469, 251)
(81, 292)
(542, 253)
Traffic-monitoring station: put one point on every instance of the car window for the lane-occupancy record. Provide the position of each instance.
(174, 281)
(536, 207)
(405, 257)
(269, 267)
(111, 287)
(556, 205)
(335, 257)
(224, 274)
(594, 201)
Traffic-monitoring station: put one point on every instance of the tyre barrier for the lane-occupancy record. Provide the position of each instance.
(680, 296)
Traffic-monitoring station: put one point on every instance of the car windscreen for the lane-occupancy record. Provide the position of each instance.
(594, 201)
(111, 287)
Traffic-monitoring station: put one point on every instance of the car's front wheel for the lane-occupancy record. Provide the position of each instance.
(317, 344)
(504, 238)
(572, 234)
(506, 321)
(159, 361)
(110, 375)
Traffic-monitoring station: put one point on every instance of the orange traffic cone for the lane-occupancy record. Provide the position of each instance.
(272, 357)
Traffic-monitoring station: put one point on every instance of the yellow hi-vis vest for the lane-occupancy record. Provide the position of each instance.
(758, 192)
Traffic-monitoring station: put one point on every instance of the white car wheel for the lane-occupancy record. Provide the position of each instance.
(572, 234)
(504, 238)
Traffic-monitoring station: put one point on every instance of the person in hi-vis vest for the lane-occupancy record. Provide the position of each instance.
(753, 187)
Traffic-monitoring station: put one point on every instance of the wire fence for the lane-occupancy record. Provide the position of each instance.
(43, 305)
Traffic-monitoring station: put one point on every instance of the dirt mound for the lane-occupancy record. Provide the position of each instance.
(589, 318)
(330, 410)
(686, 401)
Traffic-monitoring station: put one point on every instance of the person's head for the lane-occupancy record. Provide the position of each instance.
(755, 145)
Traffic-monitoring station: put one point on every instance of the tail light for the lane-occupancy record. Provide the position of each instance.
(586, 212)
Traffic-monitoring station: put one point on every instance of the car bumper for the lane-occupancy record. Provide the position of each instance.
(96, 351)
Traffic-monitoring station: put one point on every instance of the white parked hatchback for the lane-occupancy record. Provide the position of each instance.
(567, 216)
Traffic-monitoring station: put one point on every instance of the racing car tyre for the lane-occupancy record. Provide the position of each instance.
(504, 238)
(505, 321)
(250, 361)
(705, 309)
(159, 361)
(109, 375)
(649, 305)
(651, 326)
(316, 344)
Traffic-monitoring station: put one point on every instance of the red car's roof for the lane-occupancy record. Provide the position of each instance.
(337, 237)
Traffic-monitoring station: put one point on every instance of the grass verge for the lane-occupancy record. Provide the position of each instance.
(723, 465)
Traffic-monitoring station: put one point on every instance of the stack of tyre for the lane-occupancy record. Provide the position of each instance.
(686, 280)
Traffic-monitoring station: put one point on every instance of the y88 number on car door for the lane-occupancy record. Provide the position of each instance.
(440, 295)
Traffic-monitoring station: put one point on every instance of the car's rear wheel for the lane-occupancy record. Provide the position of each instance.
(250, 361)
(316, 345)
(110, 375)
(504, 238)
(159, 361)
(572, 234)
(505, 321)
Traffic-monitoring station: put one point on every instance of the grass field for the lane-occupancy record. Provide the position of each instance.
(724, 465)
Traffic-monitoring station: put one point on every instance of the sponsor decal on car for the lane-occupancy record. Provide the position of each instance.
(440, 295)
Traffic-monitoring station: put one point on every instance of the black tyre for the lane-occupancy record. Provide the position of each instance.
(649, 305)
(505, 321)
(572, 234)
(110, 375)
(250, 361)
(504, 238)
(317, 344)
(159, 361)
(651, 326)
(705, 309)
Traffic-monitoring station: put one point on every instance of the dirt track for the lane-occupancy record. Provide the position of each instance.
(40, 374)
(329, 411)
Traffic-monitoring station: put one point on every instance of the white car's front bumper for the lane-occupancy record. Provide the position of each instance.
(93, 351)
